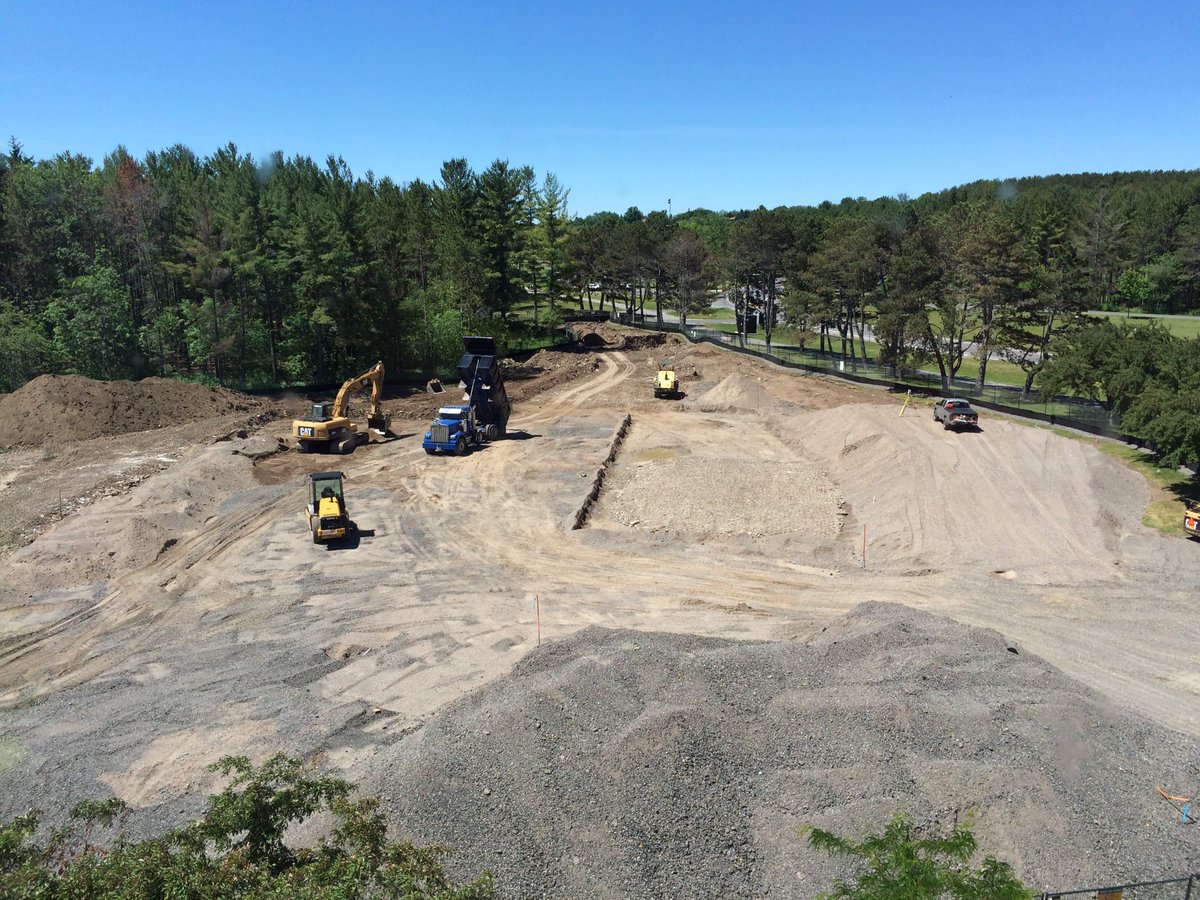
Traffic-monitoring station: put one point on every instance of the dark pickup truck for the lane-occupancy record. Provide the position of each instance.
(956, 414)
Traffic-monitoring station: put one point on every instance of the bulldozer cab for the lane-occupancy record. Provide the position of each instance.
(326, 492)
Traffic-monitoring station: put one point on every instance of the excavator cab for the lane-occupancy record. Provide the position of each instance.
(328, 519)
(322, 412)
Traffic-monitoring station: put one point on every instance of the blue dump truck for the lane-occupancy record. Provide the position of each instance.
(483, 414)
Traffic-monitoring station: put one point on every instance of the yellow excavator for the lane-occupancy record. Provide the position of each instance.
(330, 430)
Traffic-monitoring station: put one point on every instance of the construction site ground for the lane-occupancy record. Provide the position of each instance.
(789, 604)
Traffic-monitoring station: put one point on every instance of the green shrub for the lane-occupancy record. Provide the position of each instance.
(236, 850)
(898, 863)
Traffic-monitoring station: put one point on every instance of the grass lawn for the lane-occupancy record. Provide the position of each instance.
(998, 371)
(1180, 326)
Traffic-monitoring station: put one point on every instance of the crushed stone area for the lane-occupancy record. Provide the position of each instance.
(622, 763)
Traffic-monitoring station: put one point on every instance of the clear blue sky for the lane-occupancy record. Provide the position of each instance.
(721, 105)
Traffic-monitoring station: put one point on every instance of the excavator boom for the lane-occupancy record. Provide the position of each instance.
(372, 378)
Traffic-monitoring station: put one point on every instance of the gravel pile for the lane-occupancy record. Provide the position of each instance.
(724, 496)
(628, 764)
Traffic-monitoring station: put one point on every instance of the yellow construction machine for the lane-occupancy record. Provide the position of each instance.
(328, 519)
(1191, 519)
(330, 430)
(666, 385)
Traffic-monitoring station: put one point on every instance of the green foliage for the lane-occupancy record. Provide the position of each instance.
(235, 850)
(899, 863)
(92, 326)
(25, 350)
(1165, 409)
(1112, 363)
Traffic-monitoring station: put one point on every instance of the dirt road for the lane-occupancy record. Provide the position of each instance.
(190, 617)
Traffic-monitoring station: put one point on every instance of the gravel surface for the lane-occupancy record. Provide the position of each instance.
(631, 764)
(716, 496)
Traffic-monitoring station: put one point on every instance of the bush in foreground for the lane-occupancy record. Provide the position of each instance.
(898, 863)
(235, 850)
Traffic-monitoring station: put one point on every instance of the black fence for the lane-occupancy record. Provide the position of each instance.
(1070, 412)
(1184, 888)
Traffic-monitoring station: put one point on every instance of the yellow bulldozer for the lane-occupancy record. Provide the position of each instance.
(666, 384)
(330, 430)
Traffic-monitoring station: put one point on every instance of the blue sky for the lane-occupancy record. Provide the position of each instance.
(718, 105)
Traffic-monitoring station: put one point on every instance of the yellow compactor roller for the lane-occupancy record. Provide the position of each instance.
(666, 384)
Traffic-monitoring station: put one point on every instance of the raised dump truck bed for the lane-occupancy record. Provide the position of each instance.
(479, 373)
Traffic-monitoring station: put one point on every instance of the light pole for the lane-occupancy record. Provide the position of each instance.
(668, 207)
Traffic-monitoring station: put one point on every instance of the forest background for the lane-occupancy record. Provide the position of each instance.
(283, 271)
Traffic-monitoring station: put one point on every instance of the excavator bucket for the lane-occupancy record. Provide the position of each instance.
(380, 425)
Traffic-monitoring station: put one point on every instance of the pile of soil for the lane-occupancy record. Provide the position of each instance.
(645, 341)
(735, 393)
(618, 763)
(54, 408)
(602, 335)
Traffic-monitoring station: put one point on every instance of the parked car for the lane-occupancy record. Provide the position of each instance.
(955, 413)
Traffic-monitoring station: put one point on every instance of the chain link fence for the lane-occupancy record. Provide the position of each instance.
(1184, 888)
(1070, 412)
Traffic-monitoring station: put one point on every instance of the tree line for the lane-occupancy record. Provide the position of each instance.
(282, 271)
(267, 272)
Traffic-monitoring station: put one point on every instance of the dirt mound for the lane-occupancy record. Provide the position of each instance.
(70, 407)
(621, 763)
(602, 335)
(644, 341)
(734, 393)
(119, 533)
(938, 498)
